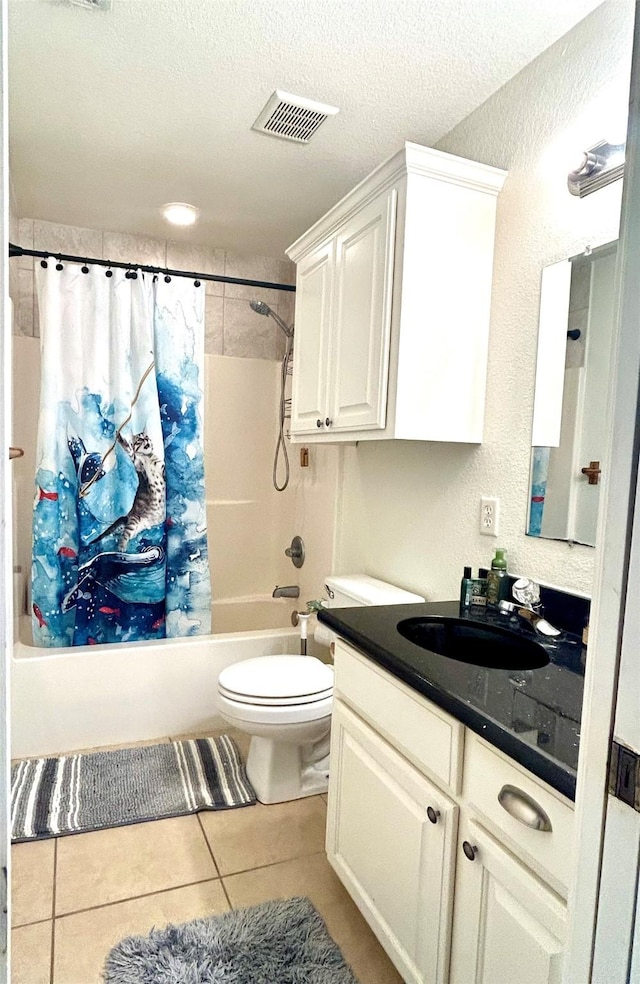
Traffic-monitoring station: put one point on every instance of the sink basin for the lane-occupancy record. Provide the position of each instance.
(474, 642)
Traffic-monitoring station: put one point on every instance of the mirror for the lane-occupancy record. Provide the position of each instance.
(572, 381)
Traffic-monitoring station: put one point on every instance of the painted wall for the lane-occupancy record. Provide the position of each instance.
(410, 511)
(249, 523)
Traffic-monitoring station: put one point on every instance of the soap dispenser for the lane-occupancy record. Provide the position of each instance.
(497, 579)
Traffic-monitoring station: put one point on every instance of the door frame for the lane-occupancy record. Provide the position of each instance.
(609, 607)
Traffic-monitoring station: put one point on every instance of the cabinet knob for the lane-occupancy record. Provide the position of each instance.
(433, 814)
(318, 422)
(328, 422)
(470, 850)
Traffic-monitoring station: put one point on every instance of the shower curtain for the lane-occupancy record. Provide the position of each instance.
(119, 529)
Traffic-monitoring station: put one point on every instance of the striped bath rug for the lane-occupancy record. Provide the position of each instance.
(71, 794)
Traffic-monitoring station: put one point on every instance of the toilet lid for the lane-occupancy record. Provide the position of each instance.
(278, 680)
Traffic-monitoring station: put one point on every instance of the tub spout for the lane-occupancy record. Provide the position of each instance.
(286, 591)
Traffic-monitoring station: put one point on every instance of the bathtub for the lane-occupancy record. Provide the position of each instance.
(89, 696)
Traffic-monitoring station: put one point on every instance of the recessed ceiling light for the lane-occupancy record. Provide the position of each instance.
(179, 213)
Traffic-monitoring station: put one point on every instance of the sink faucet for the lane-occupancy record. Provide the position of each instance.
(528, 606)
(286, 591)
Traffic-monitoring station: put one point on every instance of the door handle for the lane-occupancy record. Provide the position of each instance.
(523, 808)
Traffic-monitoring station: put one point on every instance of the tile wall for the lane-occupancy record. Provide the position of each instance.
(232, 328)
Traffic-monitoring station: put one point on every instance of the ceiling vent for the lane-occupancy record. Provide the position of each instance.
(90, 4)
(292, 117)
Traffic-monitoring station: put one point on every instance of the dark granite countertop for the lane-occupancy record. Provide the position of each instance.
(531, 715)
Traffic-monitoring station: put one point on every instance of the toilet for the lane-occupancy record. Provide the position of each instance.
(285, 702)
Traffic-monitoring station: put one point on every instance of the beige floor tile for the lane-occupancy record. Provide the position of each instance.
(31, 954)
(259, 835)
(123, 862)
(313, 877)
(32, 882)
(83, 940)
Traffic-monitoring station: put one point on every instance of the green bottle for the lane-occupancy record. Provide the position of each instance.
(497, 579)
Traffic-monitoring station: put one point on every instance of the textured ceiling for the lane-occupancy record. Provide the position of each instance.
(112, 114)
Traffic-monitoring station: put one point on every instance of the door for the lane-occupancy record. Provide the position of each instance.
(508, 927)
(311, 356)
(604, 944)
(362, 318)
(391, 839)
(6, 581)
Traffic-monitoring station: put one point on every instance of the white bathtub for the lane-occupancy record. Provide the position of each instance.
(88, 696)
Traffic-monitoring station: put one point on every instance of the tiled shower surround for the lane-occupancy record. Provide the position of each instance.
(232, 328)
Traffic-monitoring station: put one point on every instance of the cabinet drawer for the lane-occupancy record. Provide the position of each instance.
(487, 775)
(424, 734)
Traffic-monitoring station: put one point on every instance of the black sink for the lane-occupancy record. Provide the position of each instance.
(474, 642)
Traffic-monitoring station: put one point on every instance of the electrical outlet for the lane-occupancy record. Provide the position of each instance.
(489, 515)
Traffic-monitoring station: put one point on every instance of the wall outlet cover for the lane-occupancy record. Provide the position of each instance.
(489, 515)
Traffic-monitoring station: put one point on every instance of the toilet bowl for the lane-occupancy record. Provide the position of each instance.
(285, 703)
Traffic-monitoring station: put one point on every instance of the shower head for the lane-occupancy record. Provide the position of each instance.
(261, 308)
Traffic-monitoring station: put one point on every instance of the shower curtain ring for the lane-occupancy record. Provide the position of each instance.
(44, 264)
(84, 268)
(196, 283)
(59, 265)
(109, 271)
(167, 278)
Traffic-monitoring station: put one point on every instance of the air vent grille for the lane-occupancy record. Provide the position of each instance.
(104, 5)
(292, 117)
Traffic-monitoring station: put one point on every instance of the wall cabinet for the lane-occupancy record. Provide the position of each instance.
(392, 304)
(436, 869)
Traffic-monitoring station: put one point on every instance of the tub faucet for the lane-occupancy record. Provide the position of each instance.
(286, 591)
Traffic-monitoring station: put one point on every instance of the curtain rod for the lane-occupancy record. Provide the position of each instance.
(19, 251)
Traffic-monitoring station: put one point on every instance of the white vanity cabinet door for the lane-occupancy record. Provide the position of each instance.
(508, 927)
(362, 316)
(312, 352)
(395, 862)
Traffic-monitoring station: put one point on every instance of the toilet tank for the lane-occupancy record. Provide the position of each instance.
(353, 590)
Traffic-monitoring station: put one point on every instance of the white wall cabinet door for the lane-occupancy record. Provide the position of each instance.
(310, 399)
(508, 927)
(396, 863)
(362, 316)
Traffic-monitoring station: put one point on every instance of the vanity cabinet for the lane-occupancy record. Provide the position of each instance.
(454, 880)
(393, 291)
(391, 839)
(508, 926)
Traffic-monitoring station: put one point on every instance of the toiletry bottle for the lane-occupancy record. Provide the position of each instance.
(479, 589)
(497, 579)
(465, 589)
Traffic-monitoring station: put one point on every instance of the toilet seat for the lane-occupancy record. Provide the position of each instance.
(274, 715)
(277, 681)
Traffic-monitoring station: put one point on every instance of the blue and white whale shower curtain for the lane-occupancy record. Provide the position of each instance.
(119, 524)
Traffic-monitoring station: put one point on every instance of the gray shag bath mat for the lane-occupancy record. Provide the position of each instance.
(282, 942)
(76, 793)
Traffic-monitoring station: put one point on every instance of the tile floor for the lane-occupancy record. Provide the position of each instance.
(75, 897)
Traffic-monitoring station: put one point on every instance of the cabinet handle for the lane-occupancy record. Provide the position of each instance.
(470, 850)
(328, 421)
(318, 422)
(433, 814)
(523, 808)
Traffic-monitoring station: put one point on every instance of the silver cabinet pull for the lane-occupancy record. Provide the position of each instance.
(523, 808)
